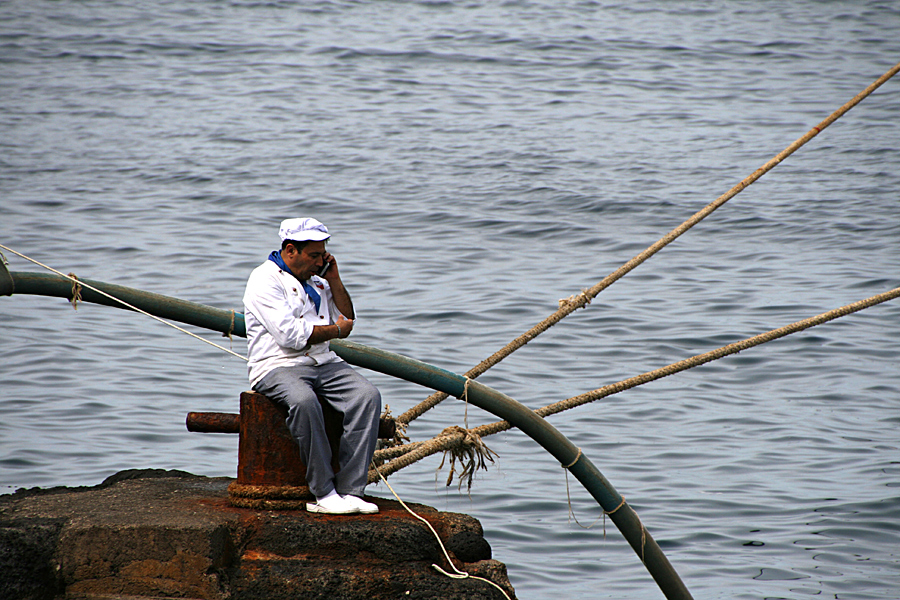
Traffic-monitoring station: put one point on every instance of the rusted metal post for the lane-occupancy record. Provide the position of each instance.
(268, 454)
(269, 466)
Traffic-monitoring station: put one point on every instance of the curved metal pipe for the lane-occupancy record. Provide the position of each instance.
(164, 307)
(389, 363)
(538, 429)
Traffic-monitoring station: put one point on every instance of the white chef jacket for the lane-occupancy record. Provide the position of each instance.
(280, 317)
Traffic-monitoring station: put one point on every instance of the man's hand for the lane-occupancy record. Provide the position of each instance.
(344, 325)
(322, 333)
(331, 275)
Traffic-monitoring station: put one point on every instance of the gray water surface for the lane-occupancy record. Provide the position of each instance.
(477, 162)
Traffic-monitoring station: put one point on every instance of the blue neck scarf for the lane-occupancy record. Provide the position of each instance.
(275, 257)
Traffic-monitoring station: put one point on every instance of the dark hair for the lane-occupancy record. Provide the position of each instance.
(298, 245)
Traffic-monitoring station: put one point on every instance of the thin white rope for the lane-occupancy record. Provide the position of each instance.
(123, 303)
(457, 574)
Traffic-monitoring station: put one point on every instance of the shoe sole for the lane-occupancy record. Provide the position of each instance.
(315, 508)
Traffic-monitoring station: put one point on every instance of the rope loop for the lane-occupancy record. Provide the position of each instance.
(572, 464)
(230, 331)
(465, 398)
(603, 514)
(76, 291)
(621, 504)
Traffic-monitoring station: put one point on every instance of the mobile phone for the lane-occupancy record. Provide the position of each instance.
(324, 269)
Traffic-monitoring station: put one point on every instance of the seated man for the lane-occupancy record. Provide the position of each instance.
(294, 304)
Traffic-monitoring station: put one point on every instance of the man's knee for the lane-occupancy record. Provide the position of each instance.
(371, 396)
(301, 399)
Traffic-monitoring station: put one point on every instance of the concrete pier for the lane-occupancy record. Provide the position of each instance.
(169, 534)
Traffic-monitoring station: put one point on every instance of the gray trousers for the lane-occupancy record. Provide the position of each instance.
(349, 393)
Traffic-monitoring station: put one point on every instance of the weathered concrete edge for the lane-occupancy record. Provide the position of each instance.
(177, 536)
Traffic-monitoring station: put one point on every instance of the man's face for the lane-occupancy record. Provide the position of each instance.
(306, 263)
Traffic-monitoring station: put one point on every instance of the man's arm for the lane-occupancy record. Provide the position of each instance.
(344, 323)
(342, 298)
(323, 333)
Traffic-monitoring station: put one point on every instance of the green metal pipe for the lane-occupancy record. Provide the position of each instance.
(402, 367)
(6, 281)
(538, 429)
(164, 307)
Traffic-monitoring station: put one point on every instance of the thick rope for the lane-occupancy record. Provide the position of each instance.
(77, 284)
(700, 359)
(571, 304)
(448, 438)
(462, 445)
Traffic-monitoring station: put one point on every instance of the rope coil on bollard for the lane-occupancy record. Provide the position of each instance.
(268, 497)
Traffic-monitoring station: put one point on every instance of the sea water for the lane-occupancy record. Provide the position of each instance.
(476, 162)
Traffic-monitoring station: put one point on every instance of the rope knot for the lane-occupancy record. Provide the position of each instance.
(577, 300)
(471, 452)
(76, 291)
(400, 436)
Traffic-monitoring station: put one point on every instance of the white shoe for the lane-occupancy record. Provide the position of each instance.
(333, 505)
(366, 508)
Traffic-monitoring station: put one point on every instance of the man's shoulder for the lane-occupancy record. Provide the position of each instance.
(266, 269)
(266, 274)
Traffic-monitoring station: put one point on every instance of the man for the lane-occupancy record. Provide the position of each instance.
(291, 313)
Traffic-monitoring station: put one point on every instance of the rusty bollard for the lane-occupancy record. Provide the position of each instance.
(270, 473)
